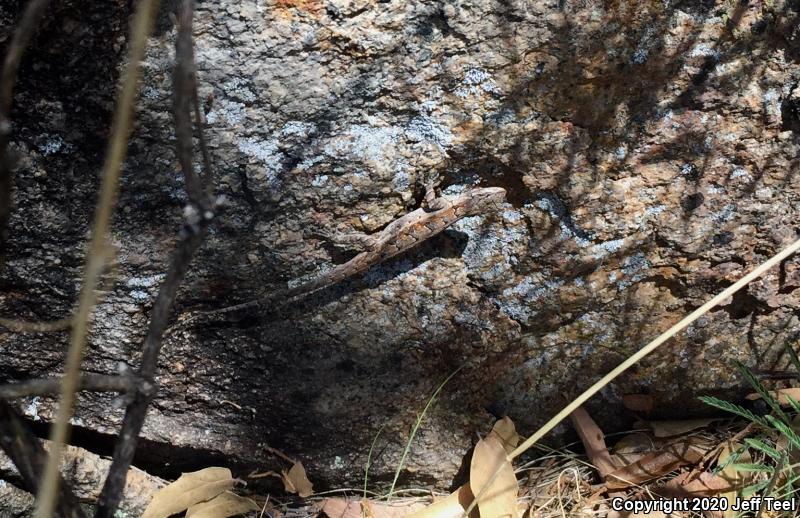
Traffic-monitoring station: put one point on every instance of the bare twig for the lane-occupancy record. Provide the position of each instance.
(115, 155)
(25, 450)
(199, 216)
(136, 411)
(183, 92)
(22, 36)
(91, 382)
(24, 326)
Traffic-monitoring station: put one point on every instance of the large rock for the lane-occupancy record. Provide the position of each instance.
(649, 153)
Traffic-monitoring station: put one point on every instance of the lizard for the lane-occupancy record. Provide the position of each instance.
(402, 234)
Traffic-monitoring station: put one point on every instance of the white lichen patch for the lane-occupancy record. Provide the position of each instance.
(727, 213)
(319, 180)
(32, 409)
(704, 50)
(139, 296)
(425, 129)
(606, 248)
(144, 282)
(476, 81)
(53, 144)
(264, 150)
(401, 181)
(772, 103)
(655, 210)
(740, 173)
(364, 142)
(231, 112)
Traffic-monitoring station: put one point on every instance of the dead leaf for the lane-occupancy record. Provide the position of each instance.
(499, 500)
(672, 428)
(341, 508)
(223, 505)
(782, 395)
(656, 464)
(296, 481)
(451, 507)
(505, 430)
(638, 403)
(702, 484)
(593, 441)
(188, 490)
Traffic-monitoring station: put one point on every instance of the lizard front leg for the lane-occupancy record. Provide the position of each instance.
(431, 203)
(350, 241)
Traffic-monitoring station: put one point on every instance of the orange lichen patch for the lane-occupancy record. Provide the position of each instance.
(309, 6)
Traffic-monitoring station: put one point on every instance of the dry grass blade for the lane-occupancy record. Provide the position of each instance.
(98, 247)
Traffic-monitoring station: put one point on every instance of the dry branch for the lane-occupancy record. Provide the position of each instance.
(22, 36)
(198, 217)
(98, 247)
(47, 386)
(29, 457)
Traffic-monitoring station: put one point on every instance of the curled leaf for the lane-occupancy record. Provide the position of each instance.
(188, 490)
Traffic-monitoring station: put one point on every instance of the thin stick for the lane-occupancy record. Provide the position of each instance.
(117, 149)
(22, 37)
(47, 386)
(199, 215)
(24, 326)
(644, 351)
(29, 457)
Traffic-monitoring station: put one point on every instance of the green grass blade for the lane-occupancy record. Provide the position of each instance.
(763, 447)
(749, 491)
(414, 430)
(763, 392)
(369, 458)
(786, 430)
(793, 357)
(734, 409)
(794, 403)
(752, 468)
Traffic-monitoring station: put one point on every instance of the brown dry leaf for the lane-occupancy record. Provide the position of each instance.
(593, 441)
(632, 447)
(499, 500)
(451, 507)
(222, 506)
(656, 464)
(672, 428)
(702, 484)
(342, 508)
(188, 490)
(638, 403)
(296, 481)
(782, 395)
(505, 430)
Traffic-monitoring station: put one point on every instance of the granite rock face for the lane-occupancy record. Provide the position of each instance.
(649, 150)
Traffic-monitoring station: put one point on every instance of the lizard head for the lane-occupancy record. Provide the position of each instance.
(483, 199)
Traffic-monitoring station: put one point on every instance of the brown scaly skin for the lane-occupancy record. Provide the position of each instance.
(400, 235)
